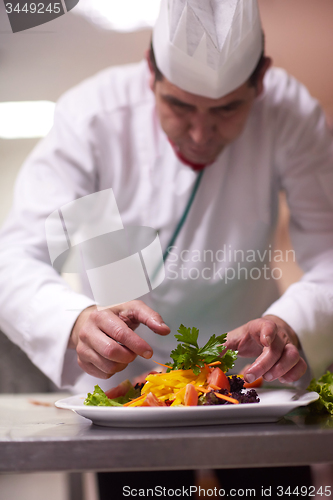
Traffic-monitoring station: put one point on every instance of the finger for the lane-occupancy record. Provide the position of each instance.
(138, 311)
(117, 330)
(94, 371)
(233, 338)
(244, 369)
(106, 347)
(290, 357)
(263, 331)
(266, 360)
(89, 356)
(247, 347)
(295, 373)
(240, 340)
(250, 339)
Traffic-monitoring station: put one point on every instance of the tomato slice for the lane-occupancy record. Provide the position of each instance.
(152, 400)
(219, 379)
(120, 390)
(191, 396)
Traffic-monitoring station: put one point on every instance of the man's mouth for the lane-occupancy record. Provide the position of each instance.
(199, 150)
(202, 154)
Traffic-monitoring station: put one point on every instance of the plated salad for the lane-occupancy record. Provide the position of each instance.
(196, 376)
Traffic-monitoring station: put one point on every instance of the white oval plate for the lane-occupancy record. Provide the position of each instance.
(274, 403)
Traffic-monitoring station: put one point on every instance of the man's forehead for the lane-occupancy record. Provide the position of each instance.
(166, 88)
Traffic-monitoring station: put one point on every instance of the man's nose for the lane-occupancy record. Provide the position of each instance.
(201, 130)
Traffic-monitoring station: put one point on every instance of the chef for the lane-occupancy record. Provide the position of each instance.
(196, 141)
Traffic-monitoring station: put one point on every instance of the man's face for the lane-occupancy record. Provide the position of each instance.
(199, 126)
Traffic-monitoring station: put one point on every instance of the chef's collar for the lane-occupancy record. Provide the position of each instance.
(197, 167)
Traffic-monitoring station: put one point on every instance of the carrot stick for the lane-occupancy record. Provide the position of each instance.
(201, 389)
(215, 363)
(216, 387)
(231, 400)
(161, 364)
(134, 400)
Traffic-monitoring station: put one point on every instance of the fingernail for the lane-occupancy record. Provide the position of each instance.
(282, 380)
(147, 354)
(159, 323)
(249, 377)
(162, 324)
(268, 340)
(268, 377)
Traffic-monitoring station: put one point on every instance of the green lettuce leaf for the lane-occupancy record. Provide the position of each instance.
(131, 394)
(324, 387)
(99, 398)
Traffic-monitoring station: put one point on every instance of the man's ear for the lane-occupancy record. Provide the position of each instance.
(260, 81)
(151, 70)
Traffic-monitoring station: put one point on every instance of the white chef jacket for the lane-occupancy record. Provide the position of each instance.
(106, 135)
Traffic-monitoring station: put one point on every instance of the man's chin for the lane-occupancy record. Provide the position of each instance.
(200, 158)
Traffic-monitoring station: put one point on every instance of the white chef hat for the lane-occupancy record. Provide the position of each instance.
(208, 47)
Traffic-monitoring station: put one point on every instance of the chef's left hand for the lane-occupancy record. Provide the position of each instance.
(276, 345)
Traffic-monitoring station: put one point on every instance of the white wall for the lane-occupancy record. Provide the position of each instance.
(300, 38)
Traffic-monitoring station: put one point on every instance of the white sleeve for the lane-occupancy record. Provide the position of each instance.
(37, 307)
(305, 168)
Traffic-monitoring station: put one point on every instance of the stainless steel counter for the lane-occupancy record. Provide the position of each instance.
(39, 437)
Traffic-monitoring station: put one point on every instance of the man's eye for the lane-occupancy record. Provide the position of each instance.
(179, 105)
(225, 112)
(228, 110)
(180, 110)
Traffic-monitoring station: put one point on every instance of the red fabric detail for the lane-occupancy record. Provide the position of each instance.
(195, 166)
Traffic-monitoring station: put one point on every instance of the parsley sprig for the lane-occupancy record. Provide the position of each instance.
(188, 355)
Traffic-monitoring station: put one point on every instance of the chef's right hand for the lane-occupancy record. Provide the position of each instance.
(105, 341)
